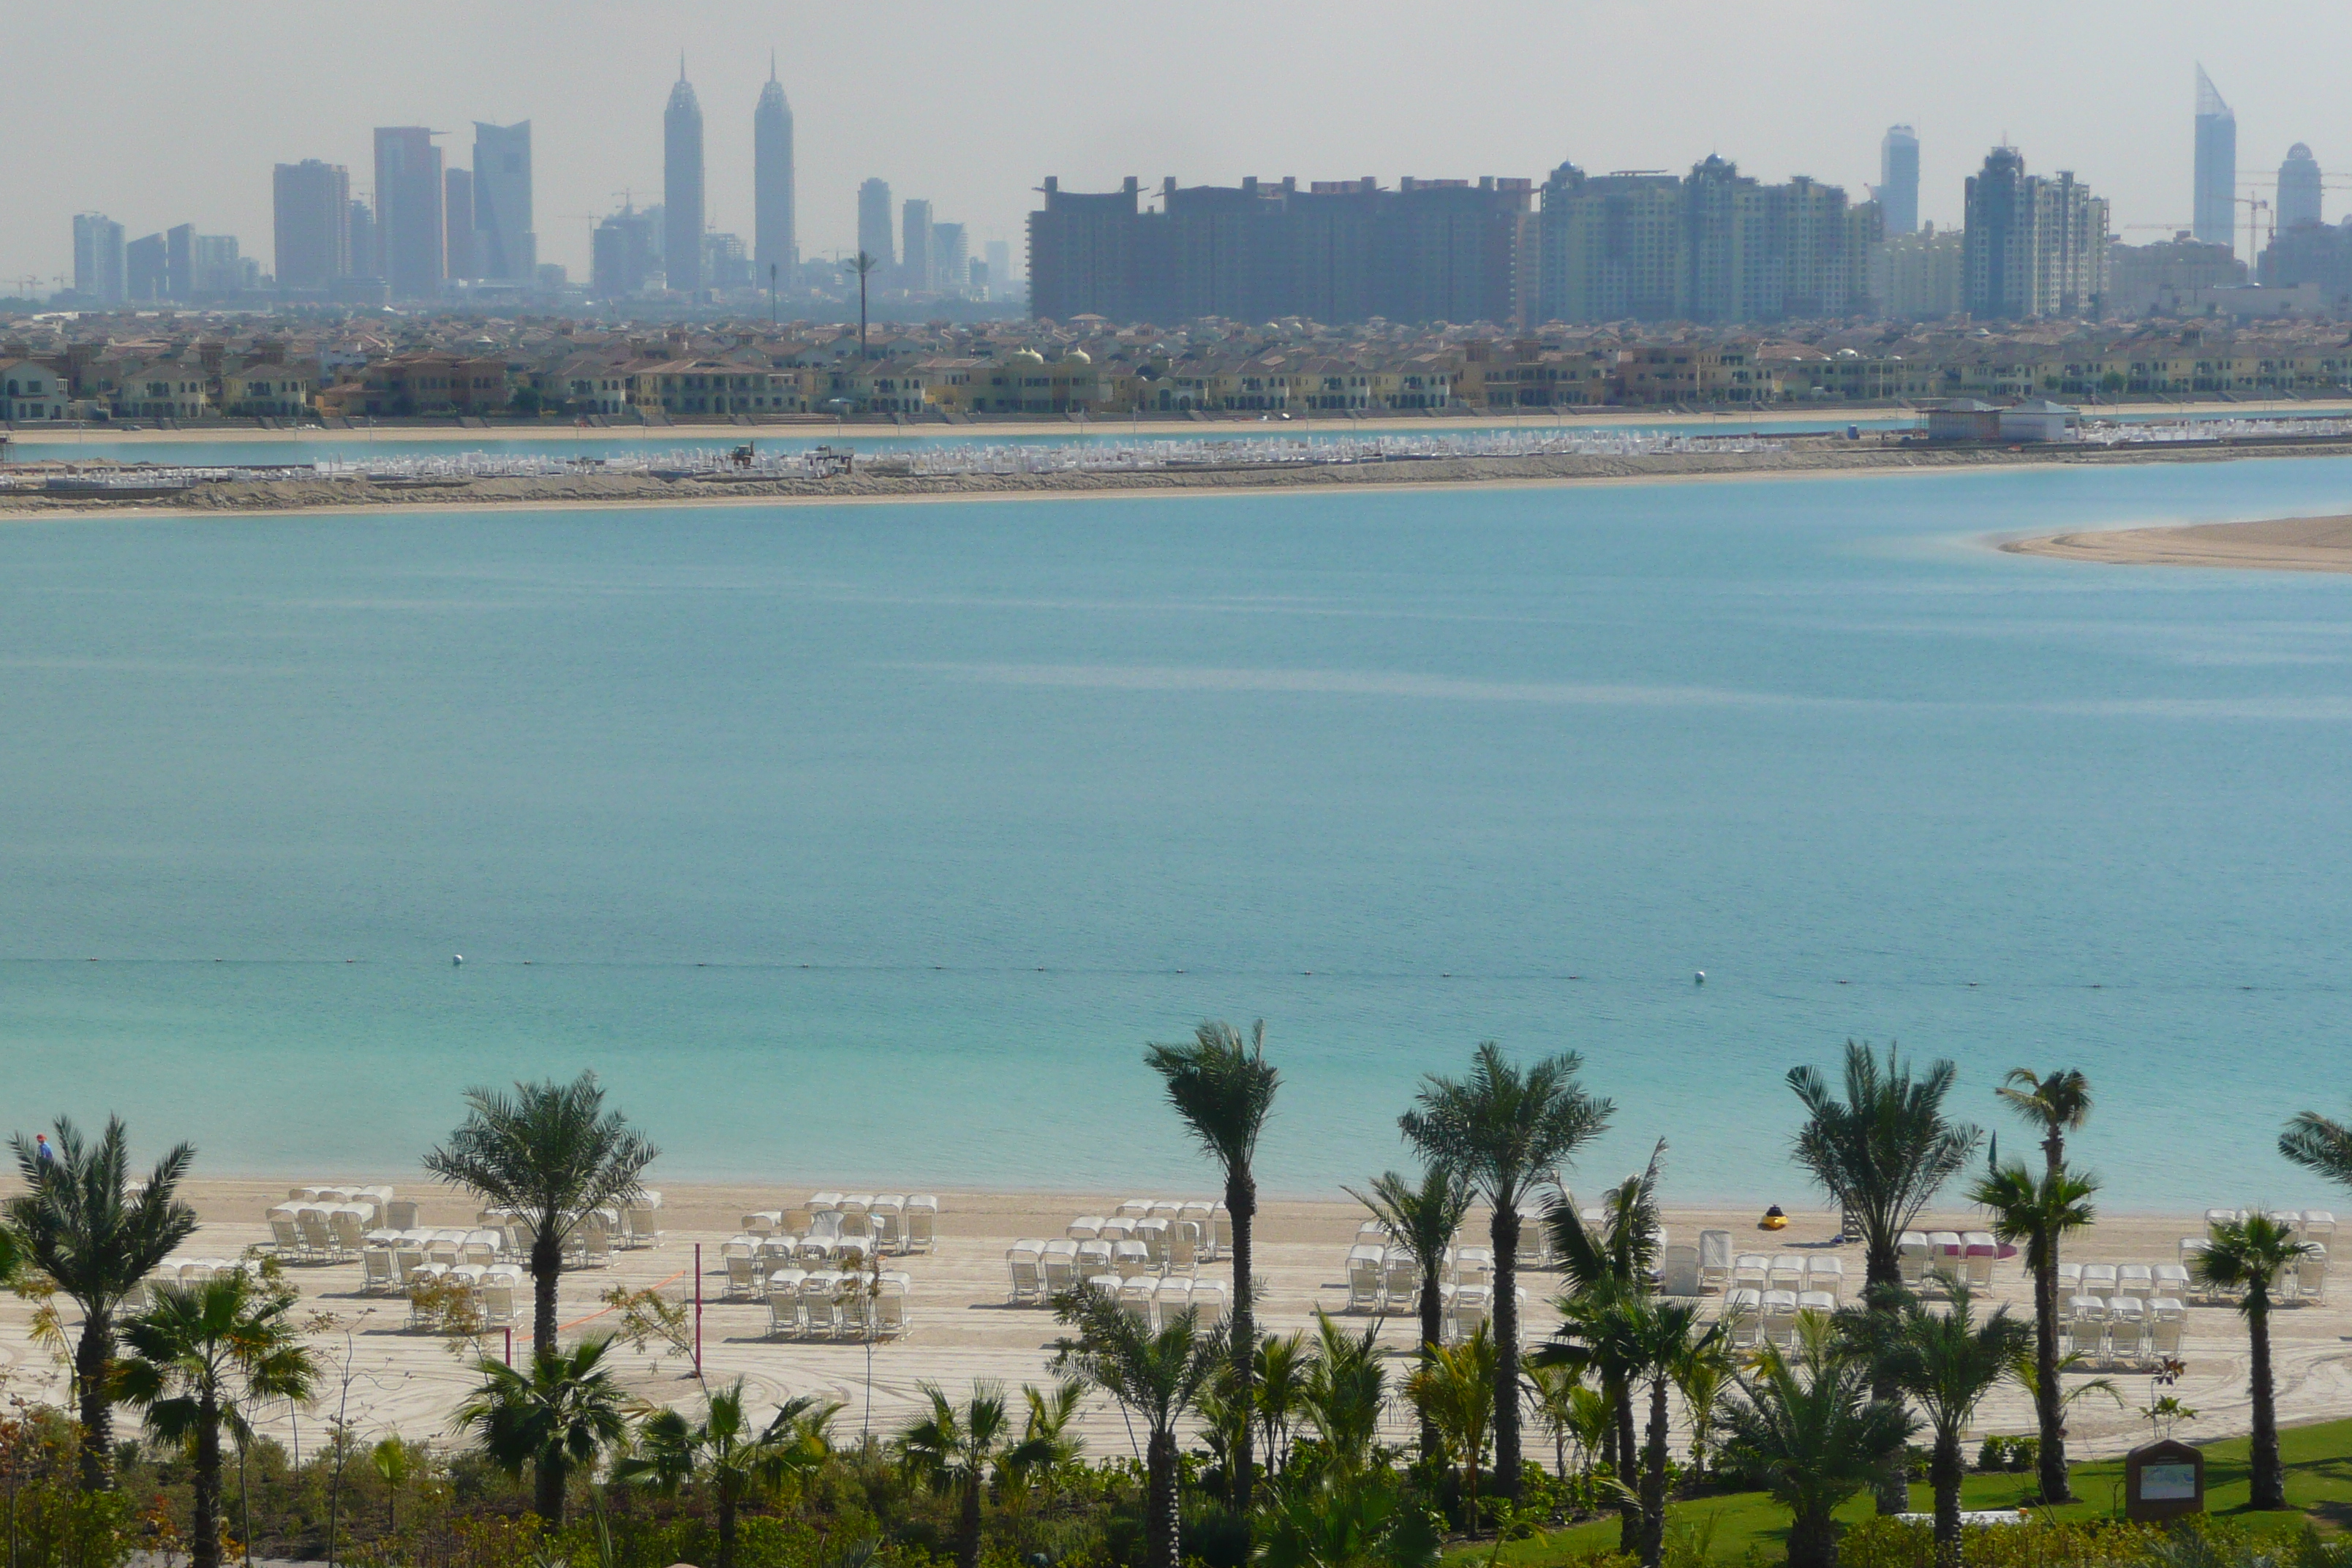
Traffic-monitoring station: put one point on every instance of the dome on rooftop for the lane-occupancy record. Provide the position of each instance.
(1027, 356)
(1079, 356)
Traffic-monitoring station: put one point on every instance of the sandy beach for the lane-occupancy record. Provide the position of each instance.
(2275, 544)
(962, 1331)
(1803, 456)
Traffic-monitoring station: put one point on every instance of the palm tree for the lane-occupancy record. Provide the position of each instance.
(1806, 1429)
(2058, 1104)
(1283, 1366)
(1946, 1363)
(1601, 1332)
(83, 1226)
(2246, 1257)
(198, 1357)
(956, 1449)
(864, 266)
(1046, 1444)
(1881, 1153)
(2319, 1145)
(1672, 1344)
(2042, 1213)
(1606, 1269)
(1506, 1128)
(551, 1152)
(1553, 1388)
(1422, 1218)
(1159, 1376)
(725, 1453)
(1343, 1392)
(558, 1415)
(1455, 1389)
(1223, 1089)
(1885, 1151)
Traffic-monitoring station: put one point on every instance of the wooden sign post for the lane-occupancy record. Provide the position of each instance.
(2163, 1479)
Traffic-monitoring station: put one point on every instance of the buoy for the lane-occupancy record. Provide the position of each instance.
(456, 959)
(1700, 978)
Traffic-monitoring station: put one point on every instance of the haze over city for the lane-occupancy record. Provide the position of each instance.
(173, 114)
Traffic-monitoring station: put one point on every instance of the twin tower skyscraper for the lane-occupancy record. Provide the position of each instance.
(774, 245)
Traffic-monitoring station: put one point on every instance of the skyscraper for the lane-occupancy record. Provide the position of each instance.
(366, 261)
(144, 268)
(951, 258)
(2032, 246)
(916, 254)
(410, 245)
(457, 223)
(2299, 189)
(311, 212)
(874, 222)
(2215, 213)
(775, 241)
(1898, 179)
(98, 258)
(682, 186)
(507, 248)
(180, 261)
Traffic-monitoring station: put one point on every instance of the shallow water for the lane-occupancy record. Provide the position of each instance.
(870, 844)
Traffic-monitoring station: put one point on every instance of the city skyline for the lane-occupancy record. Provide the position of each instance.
(591, 96)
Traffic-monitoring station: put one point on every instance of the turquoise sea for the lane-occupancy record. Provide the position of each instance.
(871, 843)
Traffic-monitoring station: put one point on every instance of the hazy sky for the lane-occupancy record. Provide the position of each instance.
(160, 112)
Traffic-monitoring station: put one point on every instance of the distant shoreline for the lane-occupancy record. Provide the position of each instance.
(2273, 544)
(1806, 457)
(56, 445)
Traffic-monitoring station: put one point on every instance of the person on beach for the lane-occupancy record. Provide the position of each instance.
(43, 1156)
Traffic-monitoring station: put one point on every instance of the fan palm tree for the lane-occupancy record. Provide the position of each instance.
(1224, 1088)
(1342, 1393)
(1156, 1375)
(1672, 1344)
(83, 1226)
(1421, 1218)
(1506, 1128)
(956, 1448)
(735, 1461)
(557, 1416)
(1945, 1364)
(1601, 1333)
(196, 1359)
(1605, 1266)
(2042, 1213)
(2246, 1257)
(551, 1152)
(1455, 1388)
(2058, 1104)
(1806, 1429)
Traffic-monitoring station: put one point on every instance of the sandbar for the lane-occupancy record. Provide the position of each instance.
(2272, 544)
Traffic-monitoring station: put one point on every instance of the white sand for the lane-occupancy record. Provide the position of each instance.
(962, 1331)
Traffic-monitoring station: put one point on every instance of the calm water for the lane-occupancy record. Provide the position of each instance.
(871, 843)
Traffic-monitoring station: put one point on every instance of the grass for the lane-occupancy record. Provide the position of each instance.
(2318, 1492)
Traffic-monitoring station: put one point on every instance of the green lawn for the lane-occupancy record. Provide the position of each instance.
(2318, 1489)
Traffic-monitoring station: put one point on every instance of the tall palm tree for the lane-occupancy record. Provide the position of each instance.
(2042, 1213)
(551, 1151)
(1506, 1128)
(2247, 1257)
(83, 1226)
(1945, 1364)
(1601, 1333)
(1805, 1428)
(863, 267)
(1605, 1266)
(1455, 1388)
(1671, 1342)
(1224, 1088)
(957, 1449)
(2057, 1103)
(726, 1455)
(1881, 1153)
(1157, 1376)
(559, 1415)
(197, 1357)
(1422, 1218)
